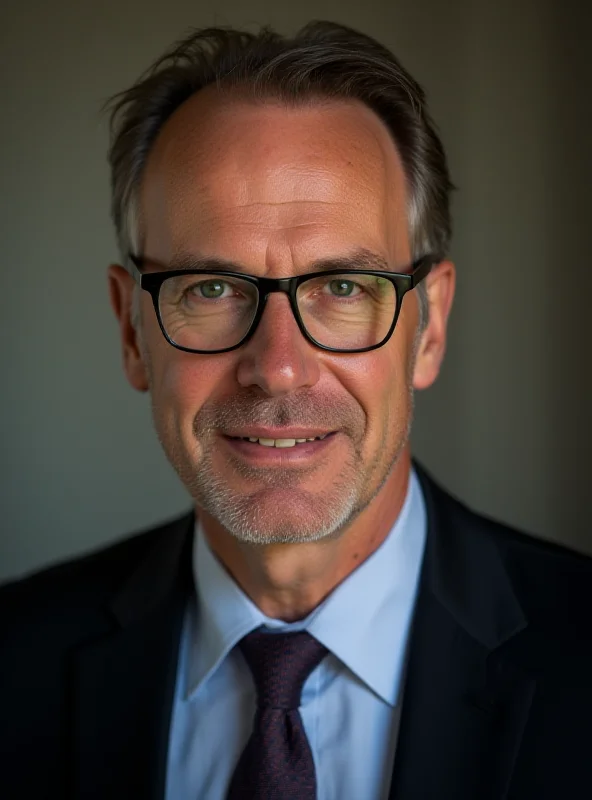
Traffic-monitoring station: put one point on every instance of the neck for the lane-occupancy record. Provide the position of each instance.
(288, 581)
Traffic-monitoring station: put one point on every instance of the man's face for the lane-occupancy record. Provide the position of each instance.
(276, 190)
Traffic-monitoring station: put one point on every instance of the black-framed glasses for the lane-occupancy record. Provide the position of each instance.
(343, 311)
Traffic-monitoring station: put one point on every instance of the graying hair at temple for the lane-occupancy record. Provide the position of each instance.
(322, 61)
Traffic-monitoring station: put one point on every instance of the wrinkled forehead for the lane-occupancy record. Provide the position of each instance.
(263, 173)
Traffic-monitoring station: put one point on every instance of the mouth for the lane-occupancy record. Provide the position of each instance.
(282, 451)
(282, 443)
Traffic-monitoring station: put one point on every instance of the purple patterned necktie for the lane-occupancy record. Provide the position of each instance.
(277, 761)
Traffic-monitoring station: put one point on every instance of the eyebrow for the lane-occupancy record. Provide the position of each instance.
(358, 259)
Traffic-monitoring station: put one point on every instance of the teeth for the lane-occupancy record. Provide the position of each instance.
(283, 442)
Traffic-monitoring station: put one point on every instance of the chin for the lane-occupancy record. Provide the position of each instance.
(281, 515)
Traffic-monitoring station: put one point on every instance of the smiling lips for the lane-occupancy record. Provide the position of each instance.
(281, 442)
(288, 438)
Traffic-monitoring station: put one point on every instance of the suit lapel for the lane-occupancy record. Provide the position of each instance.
(123, 684)
(465, 706)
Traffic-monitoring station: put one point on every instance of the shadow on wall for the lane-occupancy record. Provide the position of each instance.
(516, 388)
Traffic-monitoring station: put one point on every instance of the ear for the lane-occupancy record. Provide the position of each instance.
(432, 346)
(121, 290)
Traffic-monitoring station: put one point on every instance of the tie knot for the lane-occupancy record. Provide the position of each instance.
(280, 664)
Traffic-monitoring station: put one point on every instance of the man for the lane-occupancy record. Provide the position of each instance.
(328, 623)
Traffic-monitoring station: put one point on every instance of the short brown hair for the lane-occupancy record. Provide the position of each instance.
(323, 60)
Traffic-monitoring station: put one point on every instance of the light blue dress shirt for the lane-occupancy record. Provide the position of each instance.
(350, 702)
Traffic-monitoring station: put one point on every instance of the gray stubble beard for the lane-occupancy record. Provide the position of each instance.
(245, 520)
(309, 517)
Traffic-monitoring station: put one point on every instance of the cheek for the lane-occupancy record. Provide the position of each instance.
(182, 383)
(379, 382)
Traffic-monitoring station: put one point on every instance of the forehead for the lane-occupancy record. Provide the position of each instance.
(242, 180)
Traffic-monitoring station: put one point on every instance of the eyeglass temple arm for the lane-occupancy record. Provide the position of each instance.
(135, 265)
(423, 269)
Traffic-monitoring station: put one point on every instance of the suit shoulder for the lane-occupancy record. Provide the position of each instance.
(515, 544)
(521, 544)
(525, 552)
(552, 582)
(87, 578)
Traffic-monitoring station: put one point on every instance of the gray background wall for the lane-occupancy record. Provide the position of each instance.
(507, 426)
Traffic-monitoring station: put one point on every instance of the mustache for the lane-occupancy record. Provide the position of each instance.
(320, 410)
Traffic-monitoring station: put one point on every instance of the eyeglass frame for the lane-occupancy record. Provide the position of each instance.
(403, 282)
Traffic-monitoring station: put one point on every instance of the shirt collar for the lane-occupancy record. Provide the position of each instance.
(369, 637)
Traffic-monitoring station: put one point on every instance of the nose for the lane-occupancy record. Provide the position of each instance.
(278, 358)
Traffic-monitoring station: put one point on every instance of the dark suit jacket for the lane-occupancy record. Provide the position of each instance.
(497, 704)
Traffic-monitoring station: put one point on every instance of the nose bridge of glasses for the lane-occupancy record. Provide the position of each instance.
(269, 286)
